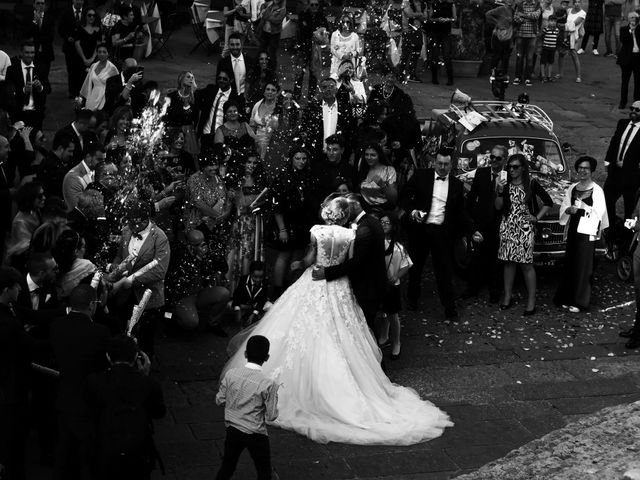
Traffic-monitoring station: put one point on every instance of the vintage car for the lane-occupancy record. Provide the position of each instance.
(473, 130)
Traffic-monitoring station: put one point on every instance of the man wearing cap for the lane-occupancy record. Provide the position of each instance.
(622, 161)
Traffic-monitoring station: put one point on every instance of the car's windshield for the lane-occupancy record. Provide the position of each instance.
(543, 155)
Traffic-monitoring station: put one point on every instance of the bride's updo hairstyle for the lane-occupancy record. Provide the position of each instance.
(335, 210)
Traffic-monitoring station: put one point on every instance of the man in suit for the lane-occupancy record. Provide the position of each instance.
(629, 60)
(125, 89)
(37, 306)
(78, 130)
(80, 347)
(332, 166)
(435, 214)
(211, 100)
(16, 349)
(237, 63)
(55, 166)
(622, 161)
(485, 266)
(145, 253)
(70, 20)
(366, 268)
(327, 117)
(77, 179)
(125, 442)
(28, 87)
(40, 30)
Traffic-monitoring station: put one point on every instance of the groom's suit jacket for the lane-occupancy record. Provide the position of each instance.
(366, 269)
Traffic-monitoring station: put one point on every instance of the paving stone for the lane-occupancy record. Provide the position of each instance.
(467, 395)
(197, 414)
(572, 406)
(188, 453)
(477, 455)
(519, 409)
(484, 358)
(166, 432)
(187, 373)
(591, 388)
(201, 392)
(584, 352)
(504, 431)
(456, 377)
(543, 424)
(173, 394)
(607, 367)
(400, 463)
(462, 414)
(291, 446)
(536, 371)
(327, 469)
(208, 431)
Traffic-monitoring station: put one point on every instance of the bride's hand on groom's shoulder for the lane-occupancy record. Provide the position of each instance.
(317, 273)
(297, 265)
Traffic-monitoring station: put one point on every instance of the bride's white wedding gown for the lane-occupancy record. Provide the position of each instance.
(327, 362)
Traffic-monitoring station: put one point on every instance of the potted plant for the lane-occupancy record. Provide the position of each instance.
(468, 48)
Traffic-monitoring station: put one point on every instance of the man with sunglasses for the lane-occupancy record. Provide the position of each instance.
(70, 20)
(485, 266)
(622, 161)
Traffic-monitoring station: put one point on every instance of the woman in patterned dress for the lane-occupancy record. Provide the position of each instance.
(516, 198)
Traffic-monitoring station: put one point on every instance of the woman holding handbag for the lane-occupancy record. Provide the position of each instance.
(584, 214)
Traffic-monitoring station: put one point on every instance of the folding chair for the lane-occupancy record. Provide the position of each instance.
(159, 40)
(199, 31)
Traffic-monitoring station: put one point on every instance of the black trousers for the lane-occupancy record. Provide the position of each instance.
(13, 439)
(485, 268)
(500, 53)
(619, 185)
(425, 239)
(75, 453)
(627, 71)
(259, 449)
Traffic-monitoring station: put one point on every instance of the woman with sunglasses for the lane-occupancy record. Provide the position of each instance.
(584, 201)
(517, 198)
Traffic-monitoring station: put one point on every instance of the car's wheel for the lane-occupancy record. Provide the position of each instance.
(624, 268)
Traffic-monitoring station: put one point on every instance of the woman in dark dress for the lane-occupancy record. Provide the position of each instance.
(261, 73)
(183, 111)
(583, 198)
(234, 133)
(88, 35)
(294, 215)
(516, 198)
(593, 25)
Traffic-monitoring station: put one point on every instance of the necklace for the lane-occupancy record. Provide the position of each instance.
(387, 95)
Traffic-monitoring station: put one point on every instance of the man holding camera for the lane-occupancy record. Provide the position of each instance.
(126, 88)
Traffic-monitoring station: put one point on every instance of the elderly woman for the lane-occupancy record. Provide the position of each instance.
(208, 204)
(378, 186)
(584, 213)
(264, 117)
(517, 199)
(234, 132)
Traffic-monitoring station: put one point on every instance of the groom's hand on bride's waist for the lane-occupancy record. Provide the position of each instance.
(317, 273)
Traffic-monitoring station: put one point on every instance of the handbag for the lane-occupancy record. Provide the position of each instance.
(589, 223)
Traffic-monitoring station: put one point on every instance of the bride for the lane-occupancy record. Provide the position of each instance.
(327, 362)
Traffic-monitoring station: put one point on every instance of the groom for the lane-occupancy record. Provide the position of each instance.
(366, 268)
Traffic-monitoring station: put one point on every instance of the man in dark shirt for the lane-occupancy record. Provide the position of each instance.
(331, 167)
(56, 165)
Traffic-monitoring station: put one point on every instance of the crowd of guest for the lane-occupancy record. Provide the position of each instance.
(210, 228)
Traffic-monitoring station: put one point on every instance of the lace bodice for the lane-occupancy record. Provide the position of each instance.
(332, 243)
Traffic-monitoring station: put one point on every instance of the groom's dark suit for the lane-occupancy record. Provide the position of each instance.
(366, 269)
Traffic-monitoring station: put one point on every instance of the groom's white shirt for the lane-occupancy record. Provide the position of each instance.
(354, 225)
(253, 366)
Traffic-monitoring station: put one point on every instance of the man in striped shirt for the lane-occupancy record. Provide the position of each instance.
(250, 400)
(525, 17)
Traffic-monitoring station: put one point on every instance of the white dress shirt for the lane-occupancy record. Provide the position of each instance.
(30, 105)
(239, 72)
(33, 286)
(255, 9)
(5, 61)
(438, 200)
(624, 146)
(213, 123)
(135, 243)
(329, 119)
(73, 125)
(88, 177)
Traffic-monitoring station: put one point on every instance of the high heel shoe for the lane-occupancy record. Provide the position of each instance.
(507, 306)
(528, 313)
(395, 356)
